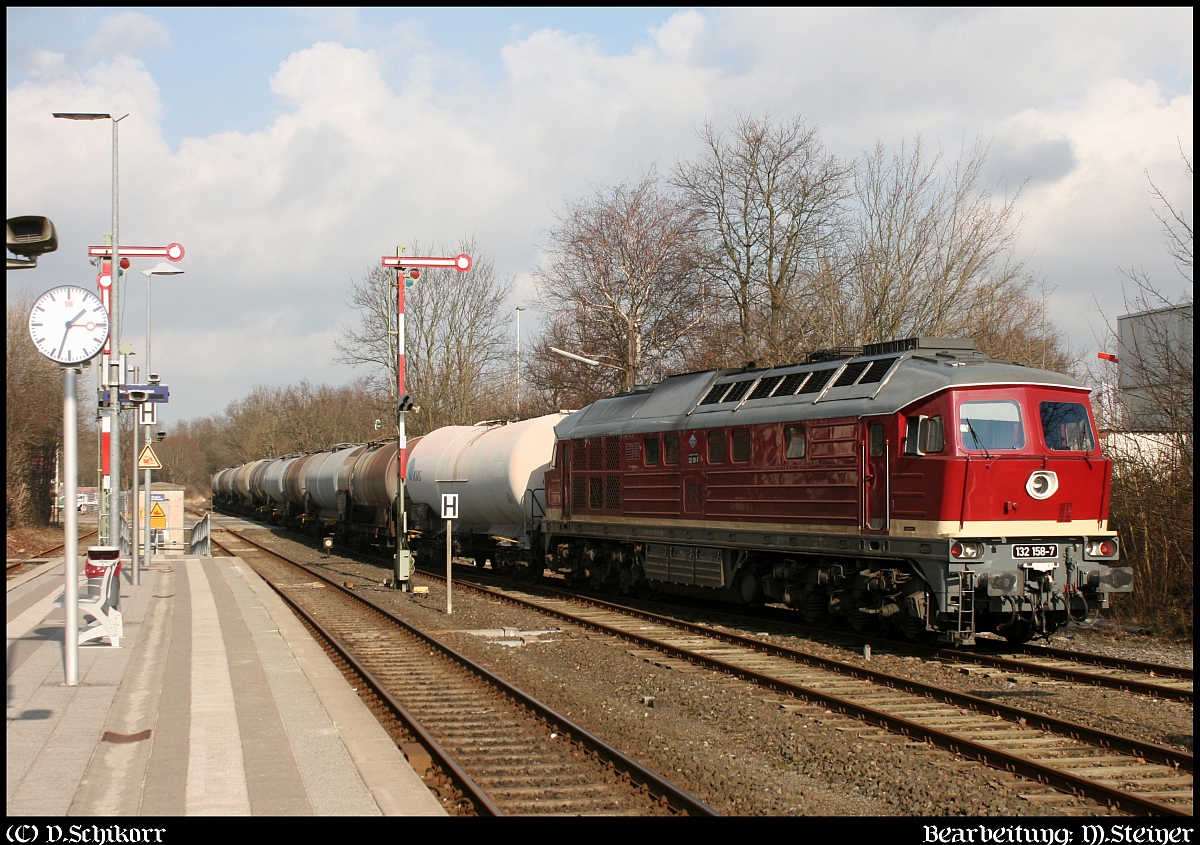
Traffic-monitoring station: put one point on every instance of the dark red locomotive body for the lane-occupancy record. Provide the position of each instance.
(921, 484)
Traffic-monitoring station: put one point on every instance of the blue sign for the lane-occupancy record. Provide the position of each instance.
(150, 393)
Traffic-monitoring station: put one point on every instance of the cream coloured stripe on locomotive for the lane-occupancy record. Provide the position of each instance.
(1000, 528)
(913, 529)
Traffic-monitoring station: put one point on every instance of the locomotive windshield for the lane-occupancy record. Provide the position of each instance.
(1066, 427)
(991, 426)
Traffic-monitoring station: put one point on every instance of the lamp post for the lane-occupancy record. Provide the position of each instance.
(163, 269)
(114, 339)
(626, 373)
(519, 310)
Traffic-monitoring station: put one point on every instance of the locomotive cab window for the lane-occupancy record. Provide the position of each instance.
(670, 449)
(795, 441)
(716, 447)
(1066, 428)
(652, 450)
(741, 444)
(991, 426)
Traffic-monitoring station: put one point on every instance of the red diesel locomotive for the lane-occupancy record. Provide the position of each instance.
(916, 484)
(920, 484)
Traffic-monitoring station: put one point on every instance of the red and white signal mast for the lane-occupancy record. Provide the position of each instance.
(410, 267)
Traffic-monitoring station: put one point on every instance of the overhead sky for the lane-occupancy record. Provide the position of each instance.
(288, 150)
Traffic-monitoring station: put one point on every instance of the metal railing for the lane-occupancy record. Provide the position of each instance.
(200, 543)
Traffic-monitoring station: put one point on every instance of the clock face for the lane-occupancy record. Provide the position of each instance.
(68, 325)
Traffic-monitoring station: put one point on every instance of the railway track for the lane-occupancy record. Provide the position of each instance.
(504, 751)
(1121, 772)
(13, 565)
(1171, 683)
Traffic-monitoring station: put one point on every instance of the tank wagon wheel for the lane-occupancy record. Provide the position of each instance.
(1017, 633)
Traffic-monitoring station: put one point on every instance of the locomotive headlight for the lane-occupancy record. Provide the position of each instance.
(966, 550)
(1042, 484)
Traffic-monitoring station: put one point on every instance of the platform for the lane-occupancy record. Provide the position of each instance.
(217, 703)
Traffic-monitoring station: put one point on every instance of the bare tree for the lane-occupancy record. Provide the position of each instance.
(621, 282)
(372, 341)
(183, 461)
(771, 200)
(33, 419)
(558, 383)
(1151, 432)
(933, 253)
(456, 337)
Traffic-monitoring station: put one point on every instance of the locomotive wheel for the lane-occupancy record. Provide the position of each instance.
(916, 631)
(864, 623)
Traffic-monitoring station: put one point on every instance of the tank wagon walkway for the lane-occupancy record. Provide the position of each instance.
(217, 702)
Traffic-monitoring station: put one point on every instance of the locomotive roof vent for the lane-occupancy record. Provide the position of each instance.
(961, 344)
(833, 354)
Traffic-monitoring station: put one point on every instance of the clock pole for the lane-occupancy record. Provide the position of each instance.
(70, 528)
(69, 325)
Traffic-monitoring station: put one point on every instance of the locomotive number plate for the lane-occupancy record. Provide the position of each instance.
(1035, 551)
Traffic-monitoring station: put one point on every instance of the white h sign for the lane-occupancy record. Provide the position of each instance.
(449, 506)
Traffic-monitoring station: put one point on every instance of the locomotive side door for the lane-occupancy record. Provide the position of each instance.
(876, 475)
(564, 476)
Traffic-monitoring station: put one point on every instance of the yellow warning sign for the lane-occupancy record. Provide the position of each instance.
(158, 517)
(148, 460)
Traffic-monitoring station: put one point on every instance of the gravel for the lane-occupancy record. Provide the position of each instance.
(748, 751)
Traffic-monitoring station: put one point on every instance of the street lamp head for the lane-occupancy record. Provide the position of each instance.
(75, 115)
(590, 361)
(163, 269)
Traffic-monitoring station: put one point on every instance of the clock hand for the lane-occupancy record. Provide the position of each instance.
(70, 325)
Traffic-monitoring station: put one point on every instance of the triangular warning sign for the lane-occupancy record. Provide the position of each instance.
(158, 517)
(148, 460)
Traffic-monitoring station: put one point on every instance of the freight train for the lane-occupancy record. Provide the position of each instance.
(918, 485)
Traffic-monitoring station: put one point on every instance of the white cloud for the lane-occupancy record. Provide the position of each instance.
(125, 33)
(371, 144)
(677, 37)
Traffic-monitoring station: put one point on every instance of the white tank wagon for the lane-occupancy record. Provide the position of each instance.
(497, 470)
(321, 477)
(222, 485)
(258, 491)
(373, 477)
(242, 491)
(294, 475)
(268, 484)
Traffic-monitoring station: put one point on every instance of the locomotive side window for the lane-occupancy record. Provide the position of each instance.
(991, 426)
(1066, 428)
(671, 448)
(741, 444)
(716, 447)
(924, 435)
(795, 441)
(932, 434)
(875, 440)
(652, 450)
